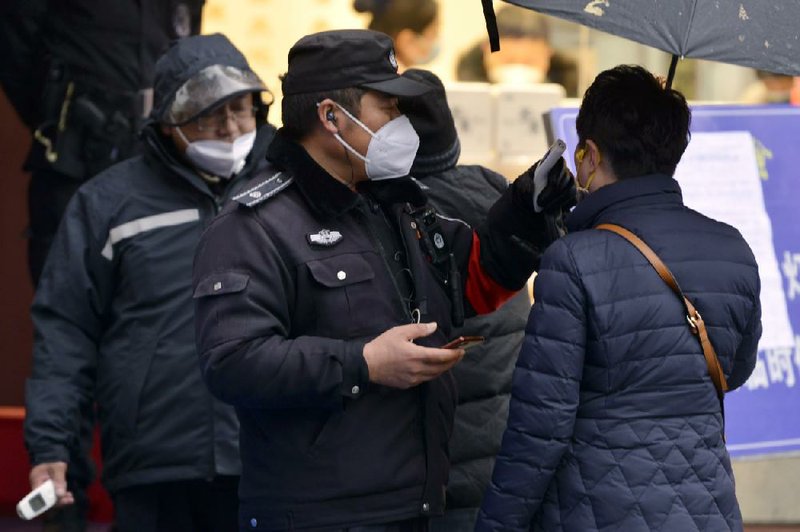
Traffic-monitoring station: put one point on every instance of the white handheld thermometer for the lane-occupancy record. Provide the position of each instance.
(37, 501)
(540, 174)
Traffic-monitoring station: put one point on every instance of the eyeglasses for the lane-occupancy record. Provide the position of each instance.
(219, 118)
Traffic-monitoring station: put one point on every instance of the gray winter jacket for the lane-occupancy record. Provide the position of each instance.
(483, 377)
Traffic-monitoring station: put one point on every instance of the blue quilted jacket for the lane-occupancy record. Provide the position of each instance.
(614, 422)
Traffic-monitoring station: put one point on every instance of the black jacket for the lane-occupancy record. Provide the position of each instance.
(113, 318)
(483, 377)
(289, 287)
(107, 49)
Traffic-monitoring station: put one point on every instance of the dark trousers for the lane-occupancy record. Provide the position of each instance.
(190, 505)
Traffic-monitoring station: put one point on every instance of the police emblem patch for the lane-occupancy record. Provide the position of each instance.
(325, 238)
(392, 59)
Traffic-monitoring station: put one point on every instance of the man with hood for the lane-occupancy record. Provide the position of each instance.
(113, 313)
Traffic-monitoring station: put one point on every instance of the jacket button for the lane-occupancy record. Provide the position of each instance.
(341, 275)
(355, 390)
(254, 522)
(426, 507)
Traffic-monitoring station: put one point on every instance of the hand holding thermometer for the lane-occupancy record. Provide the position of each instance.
(543, 168)
(37, 501)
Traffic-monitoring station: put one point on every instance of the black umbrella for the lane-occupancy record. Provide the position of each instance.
(763, 34)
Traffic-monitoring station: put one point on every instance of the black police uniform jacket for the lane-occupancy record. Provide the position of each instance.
(113, 325)
(290, 283)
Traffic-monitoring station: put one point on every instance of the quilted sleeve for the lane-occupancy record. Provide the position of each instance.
(744, 361)
(544, 398)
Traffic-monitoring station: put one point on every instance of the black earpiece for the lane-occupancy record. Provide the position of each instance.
(331, 117)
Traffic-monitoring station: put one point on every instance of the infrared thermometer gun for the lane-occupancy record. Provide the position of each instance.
(540, 174)
(38, 501)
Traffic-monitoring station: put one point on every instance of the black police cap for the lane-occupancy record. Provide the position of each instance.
(340, 59)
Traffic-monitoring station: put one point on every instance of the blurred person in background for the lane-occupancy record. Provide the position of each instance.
(614, 421)
(483, 377)
(79, 73)
(413, 25)
(768, 88)
(113, 313)
(525, 54)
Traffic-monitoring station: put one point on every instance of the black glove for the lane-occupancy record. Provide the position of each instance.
(558, 195)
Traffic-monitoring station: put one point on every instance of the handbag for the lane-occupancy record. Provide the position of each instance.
(693, 318)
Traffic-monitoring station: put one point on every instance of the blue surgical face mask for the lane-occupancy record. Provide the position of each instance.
(391, 150)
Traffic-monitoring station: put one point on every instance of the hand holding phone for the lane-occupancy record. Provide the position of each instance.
(464, 342)
(37, 501)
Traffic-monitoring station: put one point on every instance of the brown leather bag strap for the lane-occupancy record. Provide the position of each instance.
(696, 323)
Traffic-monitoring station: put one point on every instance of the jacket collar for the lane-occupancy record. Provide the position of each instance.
(161, 155)
(327, 196)
(644, 190)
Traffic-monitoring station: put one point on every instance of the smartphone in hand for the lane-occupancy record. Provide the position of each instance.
(464, 342)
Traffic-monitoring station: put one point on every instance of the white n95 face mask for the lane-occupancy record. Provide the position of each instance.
(391, 150)
(217, 157)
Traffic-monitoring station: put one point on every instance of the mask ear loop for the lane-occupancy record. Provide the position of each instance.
(183, 137)
(347, 148)
(579, 155)
(344, 142)
(593, 173)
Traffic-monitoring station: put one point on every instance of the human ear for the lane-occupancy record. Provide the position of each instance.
(326, 114)
(593, 154)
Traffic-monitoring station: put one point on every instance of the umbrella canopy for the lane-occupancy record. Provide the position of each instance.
(763, 34)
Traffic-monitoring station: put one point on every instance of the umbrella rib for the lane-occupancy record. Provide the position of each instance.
(685, 43)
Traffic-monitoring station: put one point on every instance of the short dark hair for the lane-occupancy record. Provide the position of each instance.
(300, 110)
(522, 23)
(640, 126)
(393, 16)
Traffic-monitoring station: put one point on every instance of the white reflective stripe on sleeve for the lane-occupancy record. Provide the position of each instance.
(148, 223)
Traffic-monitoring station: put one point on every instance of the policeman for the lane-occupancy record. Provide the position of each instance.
(113, 312)
(323, 296)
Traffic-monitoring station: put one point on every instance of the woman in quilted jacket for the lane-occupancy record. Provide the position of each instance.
(614, 421)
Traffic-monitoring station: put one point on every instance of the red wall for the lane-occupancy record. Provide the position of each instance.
(16, 332)
(16, 290)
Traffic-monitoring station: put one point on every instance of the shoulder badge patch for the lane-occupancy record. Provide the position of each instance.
(263, 190)
(324, 238)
